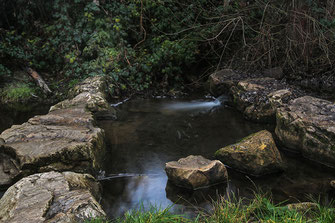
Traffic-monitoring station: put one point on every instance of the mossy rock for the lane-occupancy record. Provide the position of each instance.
(255, 154)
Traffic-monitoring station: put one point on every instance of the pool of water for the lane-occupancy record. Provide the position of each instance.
(19, 114)
(150, 132)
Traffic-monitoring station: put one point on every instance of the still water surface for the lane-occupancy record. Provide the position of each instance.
(151, 132)
(19, 114)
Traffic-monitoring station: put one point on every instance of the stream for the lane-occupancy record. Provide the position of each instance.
(150, 132)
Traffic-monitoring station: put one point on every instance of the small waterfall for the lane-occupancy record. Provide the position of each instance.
(193, 105)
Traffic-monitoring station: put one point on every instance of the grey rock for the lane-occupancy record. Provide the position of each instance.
(307, 125)
(91, 93)
(259, 98)
(64, 139)
(52, 197)
(279, 98)
(221, 81)
(194, 172)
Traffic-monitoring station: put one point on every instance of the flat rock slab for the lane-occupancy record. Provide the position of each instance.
(307, 125)
(194, 172)
(259, 98)
(256, 155)
(64, 139)
(221, 81)
(51, 197)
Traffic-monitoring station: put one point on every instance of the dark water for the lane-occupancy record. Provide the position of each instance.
(19, 114)
(150, 133)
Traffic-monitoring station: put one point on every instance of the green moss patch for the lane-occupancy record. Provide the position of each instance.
(17, 92)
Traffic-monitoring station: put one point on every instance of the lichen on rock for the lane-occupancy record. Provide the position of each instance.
(256, 155)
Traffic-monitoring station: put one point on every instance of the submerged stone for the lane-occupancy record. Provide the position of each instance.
(307, 125)
(52, 197)
(256, 155)
(196, 172)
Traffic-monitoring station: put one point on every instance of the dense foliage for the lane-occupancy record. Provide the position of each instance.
(144, 42)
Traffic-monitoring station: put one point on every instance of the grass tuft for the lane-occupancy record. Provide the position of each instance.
(17, 92)
(260, 209)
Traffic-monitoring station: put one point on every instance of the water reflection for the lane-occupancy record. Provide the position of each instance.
(148, 133)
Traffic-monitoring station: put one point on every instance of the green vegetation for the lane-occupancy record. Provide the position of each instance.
(260, 209)
(17, 93)
(145, 43)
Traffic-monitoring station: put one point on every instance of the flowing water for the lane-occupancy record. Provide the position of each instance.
(150, 132)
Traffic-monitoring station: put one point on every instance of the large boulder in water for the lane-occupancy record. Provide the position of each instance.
(196, 172)
(256, 155)
(307, 125)
(52, 197)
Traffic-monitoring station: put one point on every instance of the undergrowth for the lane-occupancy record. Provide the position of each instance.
(145, 43)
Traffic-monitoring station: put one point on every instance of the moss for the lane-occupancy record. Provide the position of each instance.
(17, 92)
(218, 153)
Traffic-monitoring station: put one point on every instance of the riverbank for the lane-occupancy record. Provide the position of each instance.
(230, 210)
